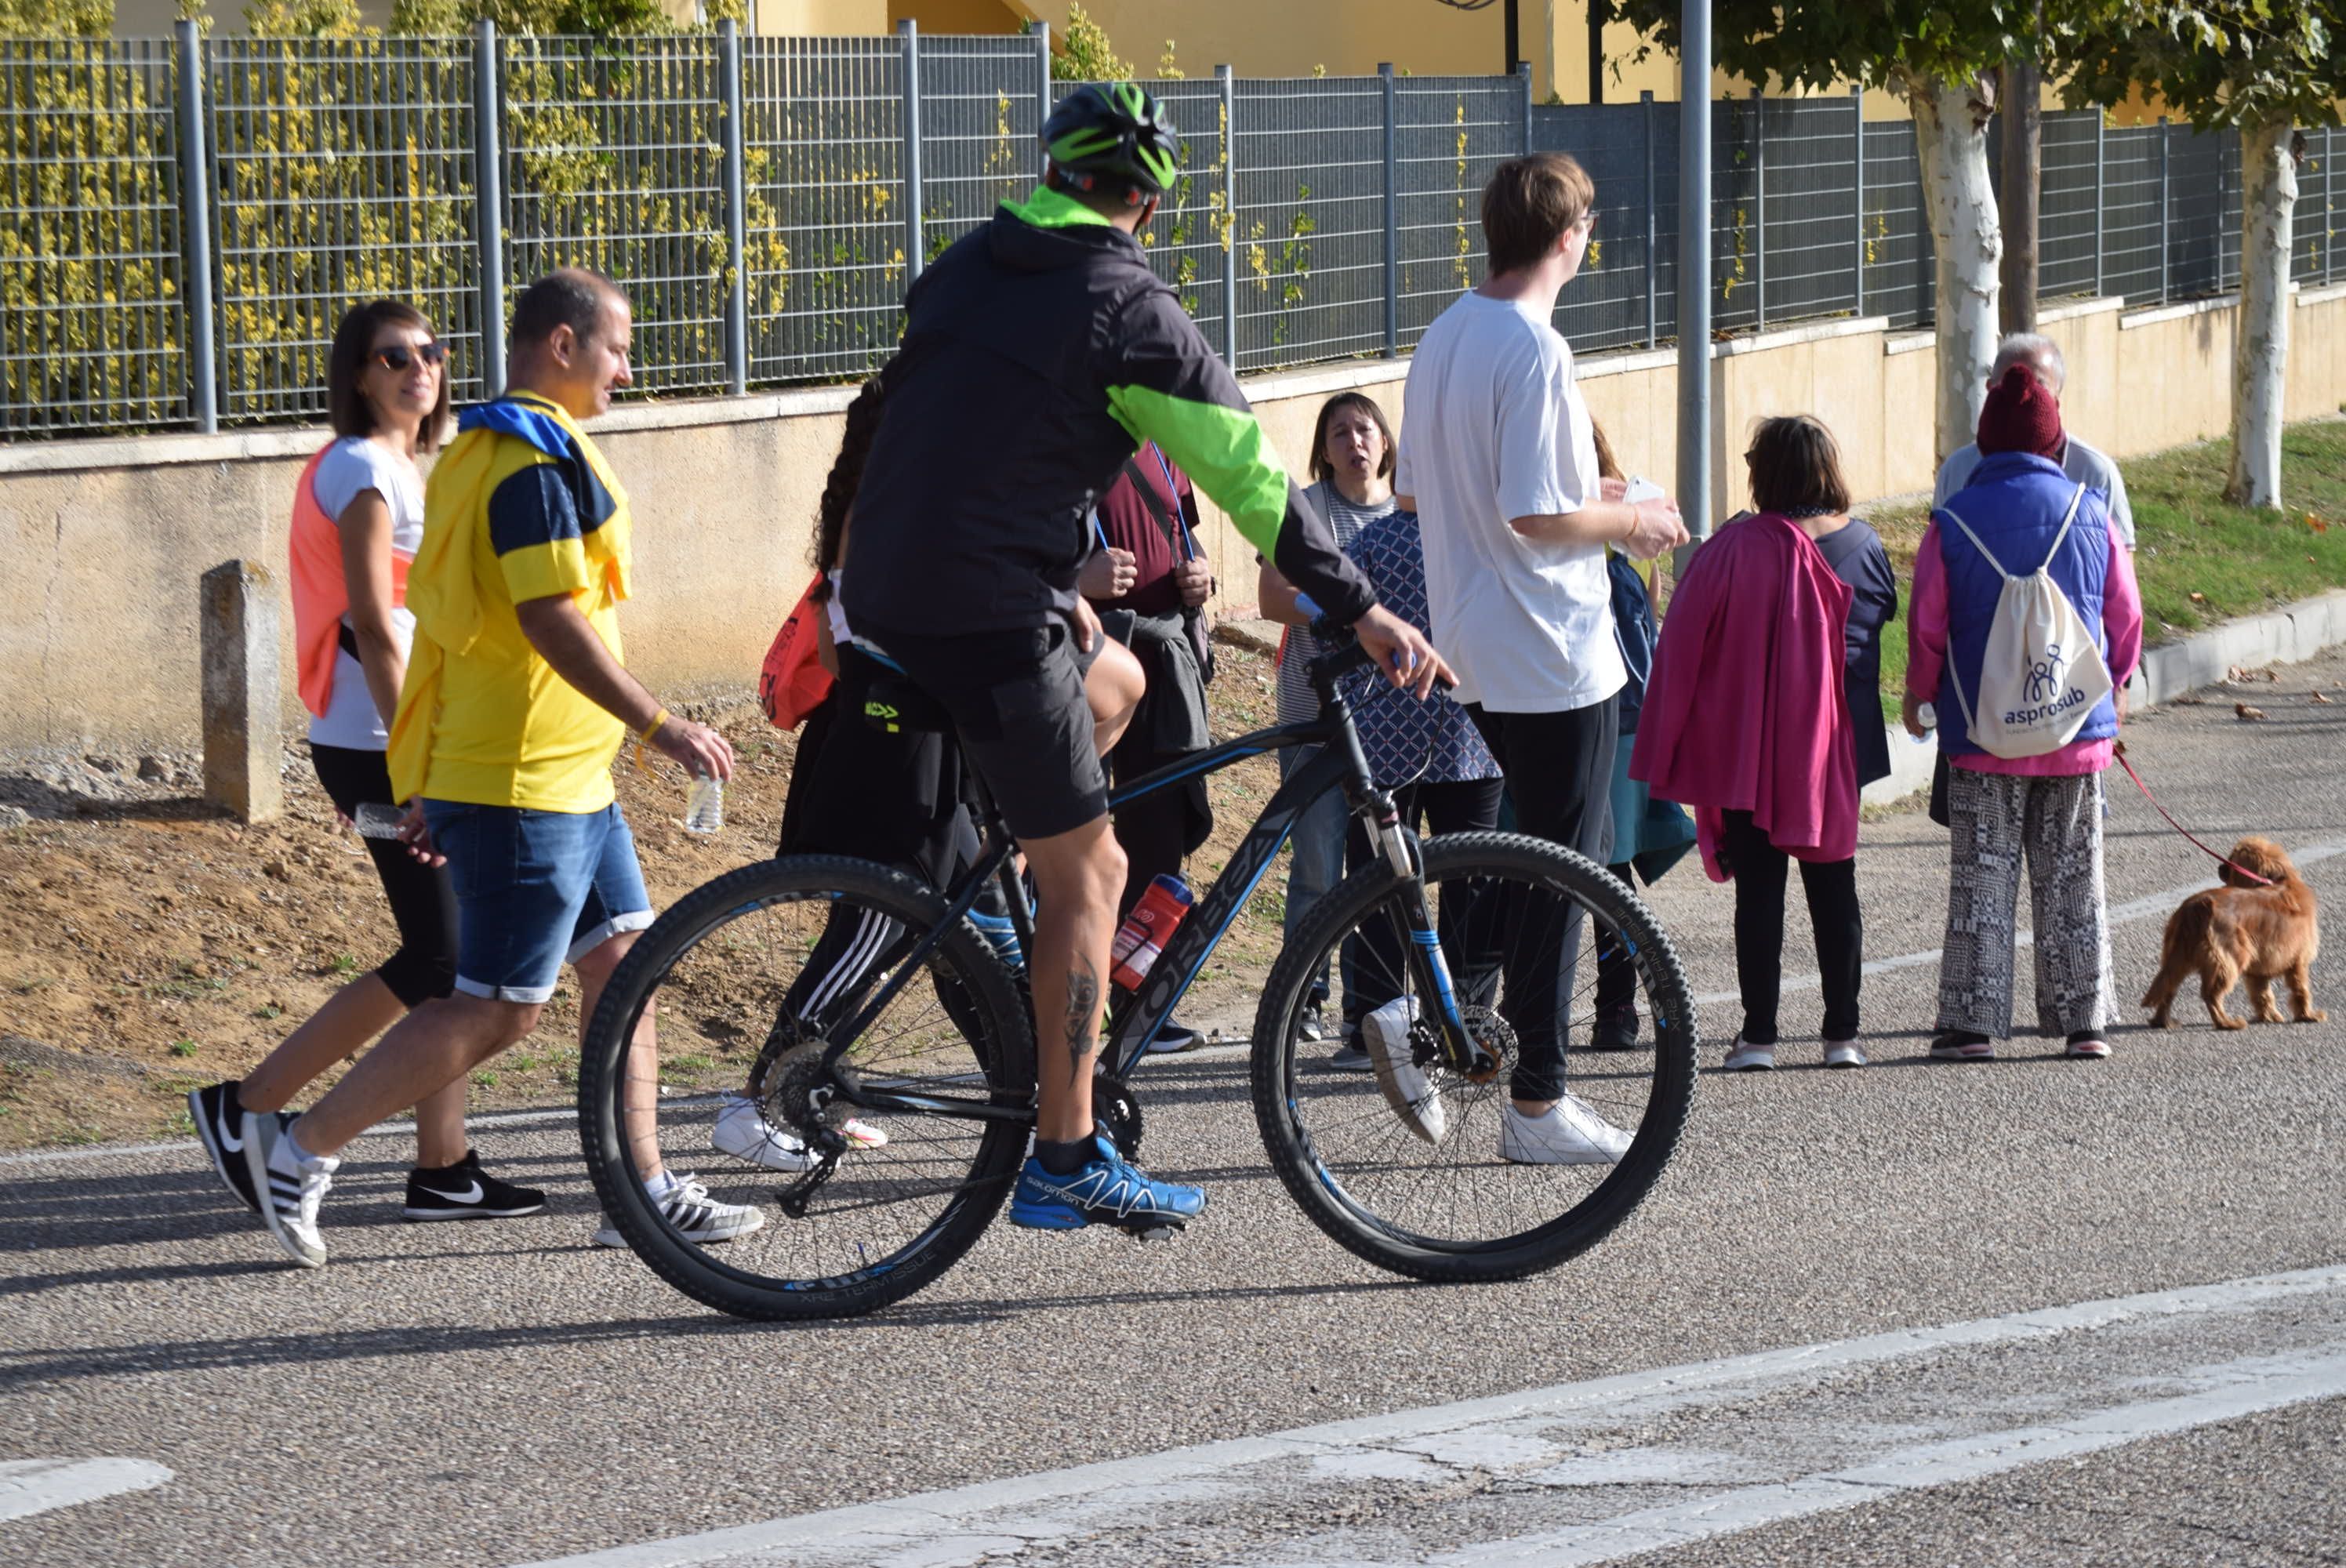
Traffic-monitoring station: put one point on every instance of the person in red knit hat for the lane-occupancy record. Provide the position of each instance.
(2020, 512)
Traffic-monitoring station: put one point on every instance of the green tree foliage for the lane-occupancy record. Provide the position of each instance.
(2226, 65)
(1084, 54)
(56, 18)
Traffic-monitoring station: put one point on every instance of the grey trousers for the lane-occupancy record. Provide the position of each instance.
(1997, 821)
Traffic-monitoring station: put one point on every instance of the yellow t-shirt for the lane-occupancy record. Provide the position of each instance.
(508, 730)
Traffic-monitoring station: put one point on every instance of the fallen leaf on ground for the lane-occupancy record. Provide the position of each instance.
(2321, 700)
(2316, 524)
(2245, 711)
(2198, 598)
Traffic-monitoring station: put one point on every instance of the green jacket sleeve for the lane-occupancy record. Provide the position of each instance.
(1166, 385)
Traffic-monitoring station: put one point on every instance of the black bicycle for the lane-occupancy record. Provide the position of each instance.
(866, 1016)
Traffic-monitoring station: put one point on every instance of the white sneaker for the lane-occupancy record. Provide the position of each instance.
(1843, 1054)
(1384, 1034)
(290, 1188)
(685, 1208)
(744, 1134)
(1569, 1132)
(1743, 1058)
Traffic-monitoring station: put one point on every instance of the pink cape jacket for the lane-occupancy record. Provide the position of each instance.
(1746, 709)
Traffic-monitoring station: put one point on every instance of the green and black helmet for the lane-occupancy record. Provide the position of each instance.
(1113, 132)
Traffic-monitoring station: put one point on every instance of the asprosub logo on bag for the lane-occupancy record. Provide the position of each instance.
(2041, 672)
(2045, 693)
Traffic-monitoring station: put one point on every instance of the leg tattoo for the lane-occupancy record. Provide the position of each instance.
(1083, 1018)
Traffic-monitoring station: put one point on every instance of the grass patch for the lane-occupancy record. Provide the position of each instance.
(2199, 561)
(183, 1047)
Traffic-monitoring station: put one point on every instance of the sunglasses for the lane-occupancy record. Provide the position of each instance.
(398, 356)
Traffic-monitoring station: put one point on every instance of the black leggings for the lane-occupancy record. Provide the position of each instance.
(422, 898)
(1831, 888)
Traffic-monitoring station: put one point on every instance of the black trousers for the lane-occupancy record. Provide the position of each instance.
(1559, 768)
(1448, 806)
(1831, 888)
(423, 898)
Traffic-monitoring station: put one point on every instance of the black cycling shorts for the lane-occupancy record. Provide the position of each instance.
(1017, 702)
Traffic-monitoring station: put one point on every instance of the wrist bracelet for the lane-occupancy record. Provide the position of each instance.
(653, 727)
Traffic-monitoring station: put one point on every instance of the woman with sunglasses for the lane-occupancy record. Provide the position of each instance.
(358, 517)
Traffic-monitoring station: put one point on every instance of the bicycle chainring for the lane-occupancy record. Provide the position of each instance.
(1116, 1111)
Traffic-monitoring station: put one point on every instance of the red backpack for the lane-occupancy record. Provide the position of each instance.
(793, 683)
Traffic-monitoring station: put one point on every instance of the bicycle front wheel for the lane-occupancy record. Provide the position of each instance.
(750, 979)
(1413, 1166)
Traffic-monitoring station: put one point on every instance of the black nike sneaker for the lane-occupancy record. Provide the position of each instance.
(220, 1123)
(465, 1191)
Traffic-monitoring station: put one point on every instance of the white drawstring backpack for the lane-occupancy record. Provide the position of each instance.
(2043, 674)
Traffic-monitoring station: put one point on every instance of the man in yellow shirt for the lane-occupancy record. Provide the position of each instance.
(514, 704)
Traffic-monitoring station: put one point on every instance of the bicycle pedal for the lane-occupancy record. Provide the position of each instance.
(1154, 1230)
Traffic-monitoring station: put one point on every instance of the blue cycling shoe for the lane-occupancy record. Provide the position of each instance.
(997, 929)
(1104, 1191)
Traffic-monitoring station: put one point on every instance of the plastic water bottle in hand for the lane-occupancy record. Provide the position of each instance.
(375, 819)
(704, 805)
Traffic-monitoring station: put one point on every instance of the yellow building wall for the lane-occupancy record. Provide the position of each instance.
(1350, 37)
(821, 18)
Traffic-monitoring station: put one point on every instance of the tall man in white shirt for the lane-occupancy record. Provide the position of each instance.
(1498, 458)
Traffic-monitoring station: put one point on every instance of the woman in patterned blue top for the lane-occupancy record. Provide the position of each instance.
(1429, 754)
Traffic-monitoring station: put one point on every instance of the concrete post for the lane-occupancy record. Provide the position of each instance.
(238, 635)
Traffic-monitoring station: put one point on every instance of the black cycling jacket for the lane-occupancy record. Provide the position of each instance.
(1039, 352)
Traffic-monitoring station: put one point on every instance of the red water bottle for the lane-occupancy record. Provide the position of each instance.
(1141, 939)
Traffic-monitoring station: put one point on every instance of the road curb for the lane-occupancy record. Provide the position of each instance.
(2290, 635)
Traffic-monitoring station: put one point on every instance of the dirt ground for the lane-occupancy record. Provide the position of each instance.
(151, 945)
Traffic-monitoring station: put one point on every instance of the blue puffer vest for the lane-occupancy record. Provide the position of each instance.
(2015, 502)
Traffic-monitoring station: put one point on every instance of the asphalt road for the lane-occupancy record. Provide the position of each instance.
(500, 1394)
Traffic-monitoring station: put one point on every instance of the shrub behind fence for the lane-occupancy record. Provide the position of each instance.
(767, 201)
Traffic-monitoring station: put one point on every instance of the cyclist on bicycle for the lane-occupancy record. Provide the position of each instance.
(1039, 352)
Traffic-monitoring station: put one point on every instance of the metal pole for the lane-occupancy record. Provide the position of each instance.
(1759, 211)
(1524, 75)
(908, 34)
(736, 211)
(1393, 213)
(1694, 270)
(2166, 146)
(1857, 259)
(1041, 32)
(489, 207)
(2101, 172)
(1223, 78)
(1653, 219)
(195, 252)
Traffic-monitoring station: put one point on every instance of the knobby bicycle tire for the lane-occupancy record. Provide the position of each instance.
(1007, 1055)
(1320, 1193)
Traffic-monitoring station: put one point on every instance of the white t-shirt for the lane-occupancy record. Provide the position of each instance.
(351, 466)
(1492, 429)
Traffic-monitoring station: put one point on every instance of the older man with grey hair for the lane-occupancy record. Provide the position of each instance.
(2085, 464)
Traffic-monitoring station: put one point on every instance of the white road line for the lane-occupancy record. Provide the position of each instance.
(2236, 1390)
(2143, 908)
(2157, 904)
(960, 1523)
(37, 1485)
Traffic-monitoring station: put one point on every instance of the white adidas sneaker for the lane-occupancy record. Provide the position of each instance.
(1384, 1034)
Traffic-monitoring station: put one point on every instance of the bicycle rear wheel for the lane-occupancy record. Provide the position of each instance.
(1441, 1200)
(747, 975)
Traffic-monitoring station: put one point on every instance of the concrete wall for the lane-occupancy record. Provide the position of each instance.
(106, 538)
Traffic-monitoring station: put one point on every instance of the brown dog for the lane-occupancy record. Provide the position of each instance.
(2242, 930)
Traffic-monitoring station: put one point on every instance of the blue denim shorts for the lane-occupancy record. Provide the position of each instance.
(534, 890)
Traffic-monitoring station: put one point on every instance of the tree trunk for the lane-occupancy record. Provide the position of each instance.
(2023, 163)
(1950, 132)
(2261, 342)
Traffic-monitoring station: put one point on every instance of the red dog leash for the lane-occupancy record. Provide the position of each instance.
(2119, 751)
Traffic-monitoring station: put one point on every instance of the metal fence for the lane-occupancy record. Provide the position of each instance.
(181, 224)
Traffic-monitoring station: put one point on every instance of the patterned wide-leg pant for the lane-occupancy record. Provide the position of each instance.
(1997, 821)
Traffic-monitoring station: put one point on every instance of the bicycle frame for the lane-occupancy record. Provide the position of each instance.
(1135, 1017)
